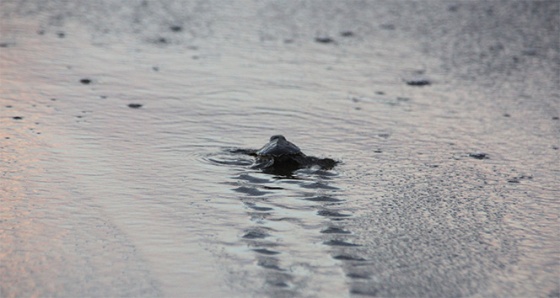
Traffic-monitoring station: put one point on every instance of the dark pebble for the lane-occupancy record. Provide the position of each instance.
(176, 28)
(155, 68)
(507, 115)
(85, 81)
(347, 33)
(17, 118)
(162, 40)
(555, 118)
(61, 34)
(479, 155)
(4, 45)
(134, 105)
(324, 39)
(419, 82)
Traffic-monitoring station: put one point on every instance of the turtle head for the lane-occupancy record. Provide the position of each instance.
(277, 137)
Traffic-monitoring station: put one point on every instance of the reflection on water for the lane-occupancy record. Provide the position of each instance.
(124, 186)
(288, 230)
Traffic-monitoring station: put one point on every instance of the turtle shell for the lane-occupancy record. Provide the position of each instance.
(278, 146)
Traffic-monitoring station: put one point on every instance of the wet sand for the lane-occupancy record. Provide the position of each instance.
(116, 179)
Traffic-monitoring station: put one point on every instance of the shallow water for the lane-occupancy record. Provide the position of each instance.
(103, 199)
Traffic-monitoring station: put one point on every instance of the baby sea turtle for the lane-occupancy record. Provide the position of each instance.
(278, 146)
(283, 157)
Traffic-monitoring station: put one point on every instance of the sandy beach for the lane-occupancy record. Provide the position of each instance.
(118, 120)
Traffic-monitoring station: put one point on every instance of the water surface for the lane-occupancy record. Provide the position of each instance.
(103, 199)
